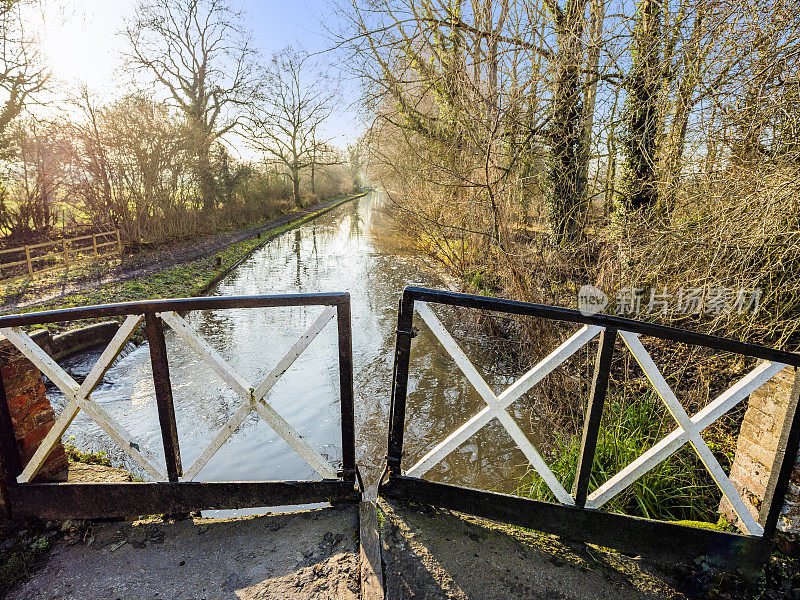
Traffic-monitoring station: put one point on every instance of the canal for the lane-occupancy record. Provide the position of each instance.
(352, 248)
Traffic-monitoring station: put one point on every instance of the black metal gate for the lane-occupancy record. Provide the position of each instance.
(174, 492)
(577, 515)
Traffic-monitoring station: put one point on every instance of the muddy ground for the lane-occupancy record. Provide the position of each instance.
(436, 554)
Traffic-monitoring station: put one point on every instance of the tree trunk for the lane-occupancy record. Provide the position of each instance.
(642, 122)
(673, 153)
(611, 167)
(566, 206)
(296, 187)
(205, 178)
(590, 94)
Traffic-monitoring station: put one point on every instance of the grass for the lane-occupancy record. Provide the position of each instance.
(678, 489)
(22, 550)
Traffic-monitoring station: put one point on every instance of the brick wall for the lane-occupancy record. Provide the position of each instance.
(755, 452)
(31, 413)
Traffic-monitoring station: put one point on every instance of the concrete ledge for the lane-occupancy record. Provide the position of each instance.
(436, 553)
(62, 345)
(286, 556)
(74, 341)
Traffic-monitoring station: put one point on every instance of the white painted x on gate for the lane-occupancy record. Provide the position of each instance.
(689, 429)
(79, 398)
(253, 397)
(496, 405)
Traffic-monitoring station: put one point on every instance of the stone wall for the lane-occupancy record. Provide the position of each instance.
(31, 413)
(755, 453)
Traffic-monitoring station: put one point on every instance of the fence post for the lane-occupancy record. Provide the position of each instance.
(119, 242)
(166, 409)
(66, 255)
(397, 404)
(28, 258)
(594, 414)
(94, 243)
(343, 328)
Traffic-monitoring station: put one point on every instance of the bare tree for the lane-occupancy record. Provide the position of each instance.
(566, 200)
(131, 166)
(199, 51)
(642, 121)
(22, 76)
(355, 162)
(323, 154)
(292, 103)
(22, 73)
(39, 171)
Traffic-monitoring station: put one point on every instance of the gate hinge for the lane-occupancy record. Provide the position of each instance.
(393, 463)
(346, 473)
(351, 475)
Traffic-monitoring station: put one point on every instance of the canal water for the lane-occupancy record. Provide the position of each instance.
(351, 248)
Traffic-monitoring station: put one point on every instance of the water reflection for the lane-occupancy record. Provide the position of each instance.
(348, 249)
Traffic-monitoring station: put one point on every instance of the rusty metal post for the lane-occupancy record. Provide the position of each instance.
(166, 409)
(397, 404)
(343, 327)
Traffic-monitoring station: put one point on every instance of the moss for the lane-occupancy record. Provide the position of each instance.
(381, 518)
(720, 525)
(75, 455)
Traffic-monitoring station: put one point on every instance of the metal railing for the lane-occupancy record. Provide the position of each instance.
(576, 513)
(174, 491)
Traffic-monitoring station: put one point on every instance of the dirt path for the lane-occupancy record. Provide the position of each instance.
(143, 263)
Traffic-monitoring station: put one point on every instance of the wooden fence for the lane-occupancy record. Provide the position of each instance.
(49, 256)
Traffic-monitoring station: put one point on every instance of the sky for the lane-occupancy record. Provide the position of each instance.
(80, 42)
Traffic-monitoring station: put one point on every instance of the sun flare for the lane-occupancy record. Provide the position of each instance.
(80, 41)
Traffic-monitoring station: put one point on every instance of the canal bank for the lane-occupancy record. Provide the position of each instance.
(179, 271)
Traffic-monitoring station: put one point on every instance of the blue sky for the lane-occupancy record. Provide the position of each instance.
(80, 43)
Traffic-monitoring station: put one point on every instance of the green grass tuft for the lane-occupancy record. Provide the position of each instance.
(678, 489)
